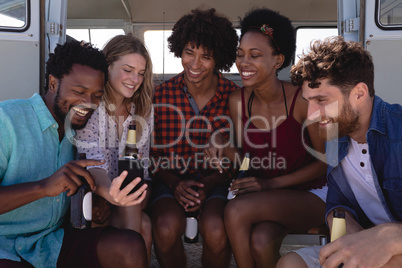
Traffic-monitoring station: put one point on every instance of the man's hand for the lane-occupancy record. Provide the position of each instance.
(214, 152)
(373, 247)
(101, 209)
(189, 193)
(67, 178)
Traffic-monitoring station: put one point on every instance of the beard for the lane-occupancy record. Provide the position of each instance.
(61, 112)
(57, 107)
(345, 124)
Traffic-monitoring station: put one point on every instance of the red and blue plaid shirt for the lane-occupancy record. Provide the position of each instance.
(180, 134)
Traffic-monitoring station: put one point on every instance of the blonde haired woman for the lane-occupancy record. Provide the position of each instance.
(128, 97)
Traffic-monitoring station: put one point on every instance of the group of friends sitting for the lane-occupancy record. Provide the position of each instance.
(317, 143)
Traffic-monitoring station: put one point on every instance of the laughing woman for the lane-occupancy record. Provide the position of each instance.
(128, 96)
(284, 188)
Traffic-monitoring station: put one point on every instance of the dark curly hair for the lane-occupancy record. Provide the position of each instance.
(207, 29)
(283, 39)
(73, 52)
(344, 63)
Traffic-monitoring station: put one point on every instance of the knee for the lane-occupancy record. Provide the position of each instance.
(213, 226)
(260, 242)
(168, 227)
(291, 259)
(263, 240)
(213, 232)
(129, 248)
(233, 212)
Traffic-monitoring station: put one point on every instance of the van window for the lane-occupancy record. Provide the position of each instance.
(97, 37)
(13, 15)
(389, 13)
(304, 36)
(163, 61)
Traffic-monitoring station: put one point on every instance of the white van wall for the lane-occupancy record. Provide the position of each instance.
(20, 59)
(385, 47)
(23, 54)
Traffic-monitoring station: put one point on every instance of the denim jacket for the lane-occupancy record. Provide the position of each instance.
(384, 138)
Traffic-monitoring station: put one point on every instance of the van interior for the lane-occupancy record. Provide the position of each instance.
(30, 29)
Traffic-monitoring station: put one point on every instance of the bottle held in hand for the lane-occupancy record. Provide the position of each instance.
(243, 171)
(81, 204)
(338, 224)
(191, 234)
(131, 150)
(130, 161)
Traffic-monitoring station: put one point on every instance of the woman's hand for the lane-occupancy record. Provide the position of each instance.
(248, 185)
(123, 197)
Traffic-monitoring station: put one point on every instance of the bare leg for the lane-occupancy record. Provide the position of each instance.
(127, 217)
(293, 260)
(121, 248)
(168, 223)
(294, 210)
(146, 232)
(133, 218)
(216, 249)
(266, 240)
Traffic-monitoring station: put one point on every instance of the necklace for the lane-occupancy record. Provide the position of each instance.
(251, 99)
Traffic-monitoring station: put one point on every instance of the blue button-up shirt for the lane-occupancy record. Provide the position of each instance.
(30, 150)
(384, 138)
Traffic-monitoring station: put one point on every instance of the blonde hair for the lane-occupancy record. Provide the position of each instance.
(117, 47)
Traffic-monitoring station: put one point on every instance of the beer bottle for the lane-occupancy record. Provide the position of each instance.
(191, 234)
(130, 161)
(338, 224)
(81, 204)
(243, 170)
(131, 150)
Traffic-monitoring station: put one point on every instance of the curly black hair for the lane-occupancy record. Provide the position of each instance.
(73, 52)
(207, 29)
(283, 39)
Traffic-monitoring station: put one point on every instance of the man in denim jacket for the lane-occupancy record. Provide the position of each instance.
(364, 156)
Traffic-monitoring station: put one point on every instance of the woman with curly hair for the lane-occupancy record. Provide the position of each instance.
(283, 189)
(128, 97)
(188, 109)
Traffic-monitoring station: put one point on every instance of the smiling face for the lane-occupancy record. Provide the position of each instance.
(331, 109)
(255, 59)
(126, 75)
(77, 94)
(198, 64)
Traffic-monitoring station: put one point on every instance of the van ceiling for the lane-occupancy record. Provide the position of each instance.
(169, 11)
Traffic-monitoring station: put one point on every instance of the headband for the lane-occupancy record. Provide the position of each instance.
(268, 31)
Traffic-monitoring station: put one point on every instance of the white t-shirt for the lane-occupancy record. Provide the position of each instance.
(358, 169)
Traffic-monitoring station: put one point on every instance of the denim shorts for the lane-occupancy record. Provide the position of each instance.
(161, 190)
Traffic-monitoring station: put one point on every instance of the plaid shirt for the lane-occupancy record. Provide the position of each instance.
(180, 134)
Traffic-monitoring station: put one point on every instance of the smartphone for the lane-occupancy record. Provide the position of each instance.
(134, 169)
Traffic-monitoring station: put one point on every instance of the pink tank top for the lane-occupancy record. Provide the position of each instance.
(277, 151)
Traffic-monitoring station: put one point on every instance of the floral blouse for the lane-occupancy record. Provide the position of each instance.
(100, 140)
